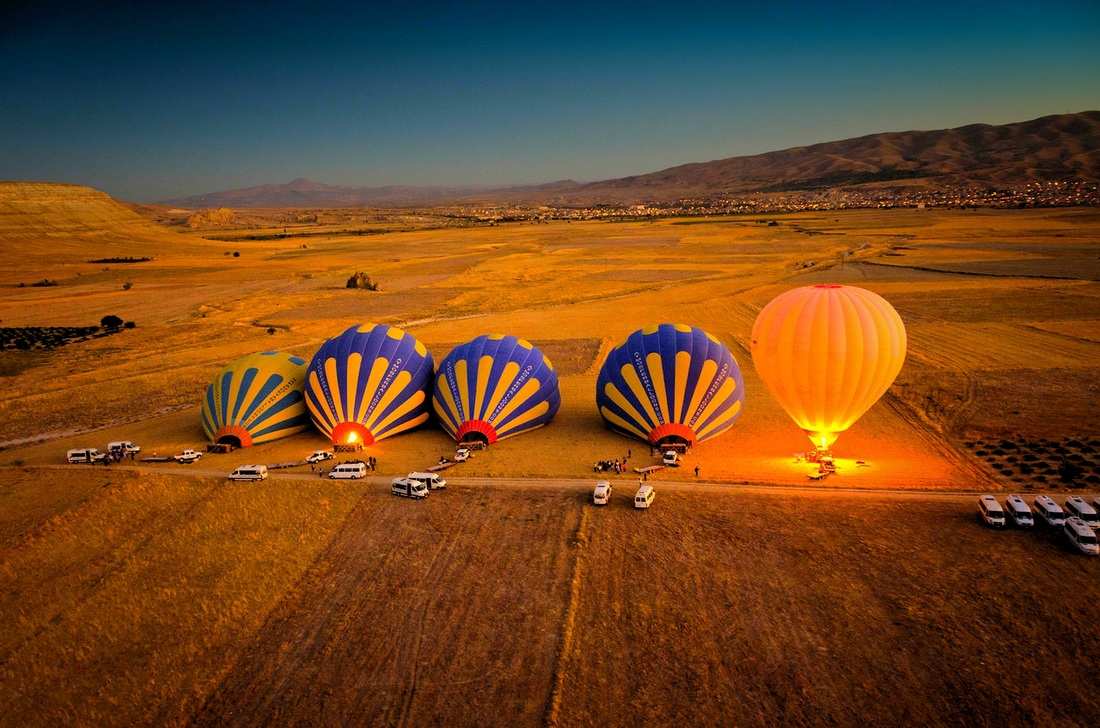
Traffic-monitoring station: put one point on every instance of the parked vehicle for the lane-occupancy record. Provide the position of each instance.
(187, 456)
(124, 446)
(671, 458)
(462, 454)
(432, 480)
(409, 488)
(319, 456)
(602, 494)
(1051, 513)
(348, 470)
(1081, 536)
(1078, 508)
(644, 497)
(249, 472)
(1019, 511)
(85, 455)
(991, 511)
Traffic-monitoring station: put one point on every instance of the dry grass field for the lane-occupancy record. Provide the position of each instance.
(153, 594)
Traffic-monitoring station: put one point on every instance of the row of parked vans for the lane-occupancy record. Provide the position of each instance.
(95, 455)
(1078, 519)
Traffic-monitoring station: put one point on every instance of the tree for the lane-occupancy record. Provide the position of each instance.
(110, 322)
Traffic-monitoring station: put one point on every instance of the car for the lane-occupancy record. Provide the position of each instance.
(124, 446)
(602, 494)
(1077, 507)
(1019, 511)
(1081, 535)
(319, 456)
(187, 456)
(85, 455)
(462, 454)
(644, 497)
(991, 511)
(249, 472)
(1051, 513)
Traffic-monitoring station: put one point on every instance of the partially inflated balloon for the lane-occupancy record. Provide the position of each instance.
(495, 387)
(368, 383)
(256, 399)
(670, 384)
(827, 353)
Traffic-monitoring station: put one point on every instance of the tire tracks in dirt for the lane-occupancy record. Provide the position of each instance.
(580, 541)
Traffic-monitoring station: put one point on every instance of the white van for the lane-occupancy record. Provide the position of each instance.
(408, 488)
(249, 472)
(432, 480)
(1050, 511)
(991, 511)
(1019, 511)
(85, 455)
(124, 446)
(1081, 536)
(349, 470)
(644, 497)
(1078, 508)
(602, 494)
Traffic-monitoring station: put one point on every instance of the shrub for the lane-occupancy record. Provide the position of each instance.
(110, 322)
(127, 286)
(129, 325)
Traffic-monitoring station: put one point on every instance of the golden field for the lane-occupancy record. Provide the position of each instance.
(155, 594)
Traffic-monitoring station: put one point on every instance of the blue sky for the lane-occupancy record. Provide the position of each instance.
(152, 103)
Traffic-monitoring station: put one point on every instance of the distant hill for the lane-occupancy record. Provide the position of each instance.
(302, 192)
(58, 220)
(1062, 147)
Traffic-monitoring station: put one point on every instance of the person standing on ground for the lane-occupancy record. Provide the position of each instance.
(696, 471)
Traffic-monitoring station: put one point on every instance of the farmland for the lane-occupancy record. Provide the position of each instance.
(150, 594)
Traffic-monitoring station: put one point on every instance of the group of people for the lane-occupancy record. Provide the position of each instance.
(117, 456)
(608, 466)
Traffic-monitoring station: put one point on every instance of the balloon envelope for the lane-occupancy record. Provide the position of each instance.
(670, 383)
(256, 399)
(495, 387)
(827, 353)
(369, 383)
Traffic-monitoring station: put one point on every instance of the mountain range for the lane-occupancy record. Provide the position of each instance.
(1063, 147)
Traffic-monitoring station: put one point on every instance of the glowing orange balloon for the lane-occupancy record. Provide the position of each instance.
(827, 353)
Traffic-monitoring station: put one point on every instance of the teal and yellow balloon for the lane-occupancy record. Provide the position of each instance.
(256, 399)
(495, 387)
(369, 383)
(670, 384)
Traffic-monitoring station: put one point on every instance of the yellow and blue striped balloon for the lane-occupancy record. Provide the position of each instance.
(495, 387)
(670, 384)
(256, 399)
(369, 383)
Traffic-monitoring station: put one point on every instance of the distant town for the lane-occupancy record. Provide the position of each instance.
(1036, 194)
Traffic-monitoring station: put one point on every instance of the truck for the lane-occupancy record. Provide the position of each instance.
(319, 456)
(462, 454)
(671, 458)
(409, 488)
(187, 456)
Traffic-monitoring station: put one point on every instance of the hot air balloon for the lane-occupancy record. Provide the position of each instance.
(256, 399)
(827, 353)
(670, 384)
(495, 387)
(368, 383)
